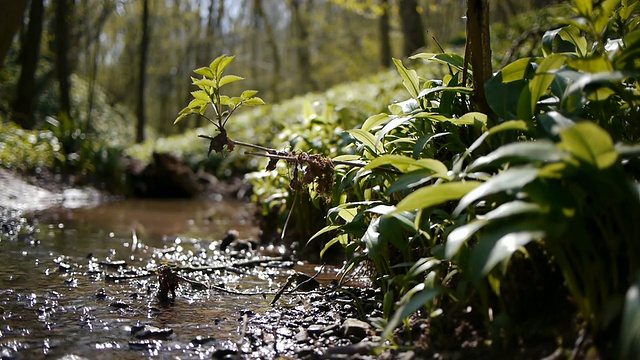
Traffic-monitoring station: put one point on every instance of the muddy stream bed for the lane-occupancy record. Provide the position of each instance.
(86, 282)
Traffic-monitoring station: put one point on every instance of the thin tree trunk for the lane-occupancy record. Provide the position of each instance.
(273, 45)
(11, 17)
(30, 53)
(411, 26)
(142, 70)
(385, 41)
(305, 77)
(479, 46)
(63, 10)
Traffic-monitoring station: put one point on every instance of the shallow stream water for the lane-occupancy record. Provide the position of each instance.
(86, 279)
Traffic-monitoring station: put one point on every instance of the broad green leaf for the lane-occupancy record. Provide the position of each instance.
(629, 339)
(496, 247)
(543, 78)
(553, 122)
(254, 101)
(436, 194)
(348, 213)
(572, 35)
(589, 143)
(470, 118)
(248, 93)
(575, 95)
(394, 123)
(201, 95)
(503, 96)
(374, 121)
(509, 125)
(457, 89)
(226, 101)
(411, 302)
(410, 78)
(346, 157)
(220, 64)
(459, 235)
(511, 208)
(585, 7)
(454, 60)
(414, 179)
(516, 70)
(593, 64)
(204, 71)
(511, 179)
(228, 79)
(541, 151)
(406, 164)
(201, 83)
(366, 138)
(180, 117)
(324, 230)
(196, 103)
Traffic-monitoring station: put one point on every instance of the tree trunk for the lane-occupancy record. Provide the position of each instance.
(11, 17)
(144, 46)
(273, 45)
(411, 26)
(30, 53)
(479, 46)
(385, 41)
(63, 12)
(305, 77)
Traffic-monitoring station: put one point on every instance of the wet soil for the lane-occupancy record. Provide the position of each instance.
(84, 279)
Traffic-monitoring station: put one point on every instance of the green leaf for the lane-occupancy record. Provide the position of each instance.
(454, 60)
(629, 340)
(324, 230)
(470, 118)
(411, 302)
(516, 70)
(593, 64)
(511, 208)
(197, 103)
(498, 246)
(202, 83)
(459, 235)
(204, 71)
(541, 151)
(226, 101)
(248, 93)
(406, 164)
(228, 79)
(201, 95)
(394, 123)
(585, 7)
(374, 121)
(436, 194)
(543, 78)
(509, 125)
(511, 179)
(254, 101)
(367, 139)
(589, 143)
(572, 35)
(410, 78)
(220, 63)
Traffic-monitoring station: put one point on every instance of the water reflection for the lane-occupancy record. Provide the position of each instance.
(56, 301)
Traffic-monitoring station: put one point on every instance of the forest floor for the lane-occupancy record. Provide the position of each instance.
(322, 321)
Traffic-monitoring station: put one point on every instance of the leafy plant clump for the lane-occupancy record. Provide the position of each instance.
(495, 218)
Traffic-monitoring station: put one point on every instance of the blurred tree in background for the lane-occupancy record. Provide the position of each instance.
(288, 48)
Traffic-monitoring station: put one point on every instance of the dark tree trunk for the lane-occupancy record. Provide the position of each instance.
(144, 46)
(306, 80)
(11, 16)
(63, 12)
(273, 46)
(479, 46)
(30, 53)
(411, 26)
(385, 41)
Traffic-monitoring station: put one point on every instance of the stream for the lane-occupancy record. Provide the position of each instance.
(82, 283)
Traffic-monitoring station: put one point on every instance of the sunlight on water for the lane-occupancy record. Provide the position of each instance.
(63, 293)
